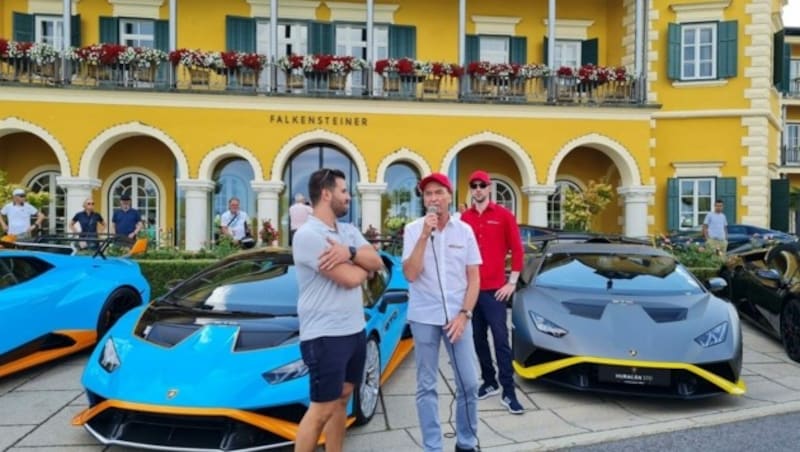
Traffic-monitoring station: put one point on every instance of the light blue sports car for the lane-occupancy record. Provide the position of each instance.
(215, 363)
(52, 305)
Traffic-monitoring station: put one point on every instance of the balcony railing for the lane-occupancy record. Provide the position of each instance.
(546, 89)
(790, 155)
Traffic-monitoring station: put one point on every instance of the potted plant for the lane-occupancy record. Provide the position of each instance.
(269, 234)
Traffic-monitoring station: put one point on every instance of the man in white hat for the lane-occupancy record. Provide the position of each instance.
(19, 213)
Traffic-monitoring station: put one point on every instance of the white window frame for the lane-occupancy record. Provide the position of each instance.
(791, 138)
(511, 202)
(696, 213)
(696, 45)
(347, 46)
(560, 49)
(557, 200)
(494, 49)
(57, 24)
(292, 39)
(46, 181)
(152, 202)
(137, 39)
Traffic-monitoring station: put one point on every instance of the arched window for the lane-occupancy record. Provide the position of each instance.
(56, 208)
(400, 203)
(298, 171)
(555, 204)
(503, 194)
(233, 178)
(144, 198)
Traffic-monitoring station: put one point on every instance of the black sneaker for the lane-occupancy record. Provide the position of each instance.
(461, 449)
(512, 404)
(487, 390)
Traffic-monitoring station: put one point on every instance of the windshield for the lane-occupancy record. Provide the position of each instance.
(617, 273)
(263, 284)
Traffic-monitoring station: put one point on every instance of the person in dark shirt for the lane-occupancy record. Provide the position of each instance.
(127, 221)
(87, 222)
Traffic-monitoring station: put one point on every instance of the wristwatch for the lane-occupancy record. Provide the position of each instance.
(353, 252)
(467, 313)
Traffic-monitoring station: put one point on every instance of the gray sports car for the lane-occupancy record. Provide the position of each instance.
(624, 318)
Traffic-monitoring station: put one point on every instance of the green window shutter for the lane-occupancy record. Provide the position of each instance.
(402, 41)
(161, 35)
(777, 60)
(544, 50)
(787, 62)
(726, 192)
(673, 205)
(779, 205)
(472, 48)
(727, 51)
(75, 30)
(589, 52)
(674, 52)
(240, 34)
(109, 30)
(23, 27)
(518, 50)
(321, 38)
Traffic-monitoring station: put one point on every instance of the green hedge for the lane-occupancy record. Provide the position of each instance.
(160, 272)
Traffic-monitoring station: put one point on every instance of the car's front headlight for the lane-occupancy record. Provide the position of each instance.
(109, 360)
(713, 336)
(546, 326)
(294, 369)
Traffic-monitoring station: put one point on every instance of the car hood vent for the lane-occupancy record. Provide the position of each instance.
(258, 339)
(589, 310)
(666, 314)
(169, 334)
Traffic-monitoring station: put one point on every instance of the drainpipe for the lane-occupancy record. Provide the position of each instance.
(66, 15)
(639, 52)
(273, 45)
(370, 44)
(551, 49)
(173, 36)
(462, 42)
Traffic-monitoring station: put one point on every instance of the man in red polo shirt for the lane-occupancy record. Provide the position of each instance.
(497, 233)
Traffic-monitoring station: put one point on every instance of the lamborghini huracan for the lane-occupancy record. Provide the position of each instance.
(215, 363)
(624, 318)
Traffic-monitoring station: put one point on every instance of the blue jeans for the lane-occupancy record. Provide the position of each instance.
(490, 313)
(462, 360)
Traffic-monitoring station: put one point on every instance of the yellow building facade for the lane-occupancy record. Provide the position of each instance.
(697, 116)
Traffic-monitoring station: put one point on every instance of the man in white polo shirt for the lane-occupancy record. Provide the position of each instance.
(715, 229)
(19, 213)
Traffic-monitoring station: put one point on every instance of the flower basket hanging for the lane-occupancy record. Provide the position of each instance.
(145, 74)
(336, 82)
(391, 84)
(432, 85)
(199, 77)
(47, 70)
(296, 81)
(249, 78)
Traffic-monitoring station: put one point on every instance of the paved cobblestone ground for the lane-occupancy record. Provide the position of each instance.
(36, 408)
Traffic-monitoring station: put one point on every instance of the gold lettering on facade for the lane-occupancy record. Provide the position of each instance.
(318, 120)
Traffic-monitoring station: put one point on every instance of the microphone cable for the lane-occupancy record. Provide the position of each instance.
(455, 361)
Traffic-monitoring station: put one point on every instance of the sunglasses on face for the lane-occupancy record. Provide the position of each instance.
(477, 185)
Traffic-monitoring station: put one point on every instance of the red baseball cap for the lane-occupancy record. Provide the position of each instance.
(482, 176)
(438, 178)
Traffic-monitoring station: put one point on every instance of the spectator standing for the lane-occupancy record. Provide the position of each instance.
(19, 213)
(497, 234)
(715, 229)
(332, 260)
(440, 261)
(298, 214)
(87, 222)
(126, 220)
(234, 221)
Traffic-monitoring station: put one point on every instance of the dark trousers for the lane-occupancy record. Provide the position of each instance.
(490, 313)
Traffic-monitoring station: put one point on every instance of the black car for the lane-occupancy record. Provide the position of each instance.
(739, 236)
(764, 285)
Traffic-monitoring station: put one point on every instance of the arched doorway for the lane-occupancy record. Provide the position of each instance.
(55, 210)
(298, 171)
(400, 204)
(145, 198)
(555, 203)
(233, 177)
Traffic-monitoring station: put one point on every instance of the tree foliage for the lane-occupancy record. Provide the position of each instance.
(581, 207)
(36, 199)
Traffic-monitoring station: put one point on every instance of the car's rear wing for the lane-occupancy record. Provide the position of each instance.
(537, 242)
(72, 243)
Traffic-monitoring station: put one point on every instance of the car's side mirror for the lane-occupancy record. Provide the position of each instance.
(768, 274)
(393, 298)
(716, 284)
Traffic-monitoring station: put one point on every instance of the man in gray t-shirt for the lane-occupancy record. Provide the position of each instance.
(332, 260)
(715, 229)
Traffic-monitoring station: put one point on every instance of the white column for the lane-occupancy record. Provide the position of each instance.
(371, 44)
(173, 25)
(639, 51)
(268, 202)
(371, 204)
(196, 192)
(273, 44)
(462, 42)
(537, 203)
(78, 189)
(636, 201)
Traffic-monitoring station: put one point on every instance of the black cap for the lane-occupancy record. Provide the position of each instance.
(125, 197)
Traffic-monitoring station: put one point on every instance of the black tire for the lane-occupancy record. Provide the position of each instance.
(367, 394)
(790, 328)
(120, 301)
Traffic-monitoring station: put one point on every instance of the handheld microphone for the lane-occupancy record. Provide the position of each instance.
(432, 210)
